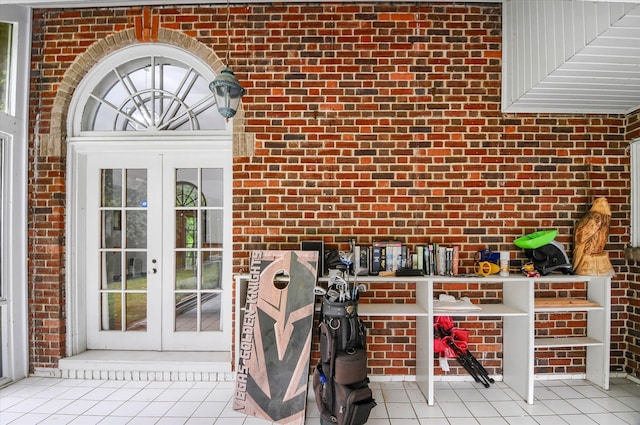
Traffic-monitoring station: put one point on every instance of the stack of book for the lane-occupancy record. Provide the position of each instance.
(392, 256)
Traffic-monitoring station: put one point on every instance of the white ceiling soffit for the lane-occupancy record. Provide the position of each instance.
(571, 56)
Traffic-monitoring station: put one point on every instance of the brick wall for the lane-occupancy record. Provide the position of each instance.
(46, 209)
(370, 121)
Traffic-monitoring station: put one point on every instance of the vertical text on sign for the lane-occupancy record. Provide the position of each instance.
(246, 340)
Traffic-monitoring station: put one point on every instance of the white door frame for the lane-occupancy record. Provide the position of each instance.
(14, 125)
(77, 151)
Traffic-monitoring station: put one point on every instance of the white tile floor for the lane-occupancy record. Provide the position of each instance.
(65, 401)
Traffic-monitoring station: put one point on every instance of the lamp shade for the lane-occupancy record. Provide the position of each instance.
(228, 92)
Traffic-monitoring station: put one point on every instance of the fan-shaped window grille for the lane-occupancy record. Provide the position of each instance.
(154, 93)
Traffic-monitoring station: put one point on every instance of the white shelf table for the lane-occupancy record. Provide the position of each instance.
(517, 312)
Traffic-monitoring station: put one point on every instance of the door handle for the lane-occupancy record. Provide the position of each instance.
(154, 270)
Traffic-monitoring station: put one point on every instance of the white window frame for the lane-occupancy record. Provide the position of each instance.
(106, 66)
(635, 195)
(14, 132)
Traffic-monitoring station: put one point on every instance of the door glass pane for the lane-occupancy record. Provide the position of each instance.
(6, 31)
(111, 229)
(136, 229)
(186, 312)
(137, 188)
(136, 312)
(212, 179)
(212, 230)
(111, 311)
(211, 270)
(198, 244)
(136, 270)
(111, 270)
(187, 191)
(186, 229)
(210, 314)
(111, 188)
(186, 270)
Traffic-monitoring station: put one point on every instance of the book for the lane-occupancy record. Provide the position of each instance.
(361, 260)
(455, 261)
(420, 257)
(442, 260)
(375, 260)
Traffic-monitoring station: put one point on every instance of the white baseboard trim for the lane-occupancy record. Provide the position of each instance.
(558, 376)
(619, 375)
(633, 379)
(392, 378)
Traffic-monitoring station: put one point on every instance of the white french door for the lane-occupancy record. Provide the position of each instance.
(197, 252)
(155, 242)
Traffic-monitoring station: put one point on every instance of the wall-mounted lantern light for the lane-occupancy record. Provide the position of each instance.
(226, 87)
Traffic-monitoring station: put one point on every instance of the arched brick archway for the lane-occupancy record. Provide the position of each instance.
(55, 144)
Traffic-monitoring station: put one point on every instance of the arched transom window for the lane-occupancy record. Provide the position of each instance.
(156, 89)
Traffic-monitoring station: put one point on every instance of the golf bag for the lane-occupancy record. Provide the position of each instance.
(340, 379)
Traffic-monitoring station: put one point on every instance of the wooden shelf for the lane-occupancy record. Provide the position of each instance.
(486, 310)
(576, 341)
(559, 309)
(564, 304)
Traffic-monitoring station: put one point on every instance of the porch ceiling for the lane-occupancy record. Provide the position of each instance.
(570, 56)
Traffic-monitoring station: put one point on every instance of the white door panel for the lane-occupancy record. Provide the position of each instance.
(198, 299)
(123, 249)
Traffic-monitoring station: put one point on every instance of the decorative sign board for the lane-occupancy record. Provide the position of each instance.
(275, 339)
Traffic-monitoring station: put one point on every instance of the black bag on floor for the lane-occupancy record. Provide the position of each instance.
(340, 379)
